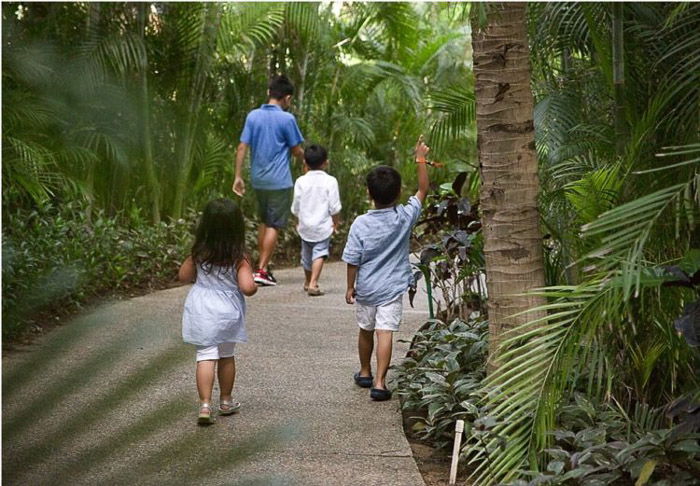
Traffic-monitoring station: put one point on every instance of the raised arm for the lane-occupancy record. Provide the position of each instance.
(238, 183)
(422, 170)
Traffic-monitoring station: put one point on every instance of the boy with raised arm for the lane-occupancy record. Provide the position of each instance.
(379, 272)
(272, 134)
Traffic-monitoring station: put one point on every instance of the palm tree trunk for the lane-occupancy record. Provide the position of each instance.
(149, 165)
(506, 144)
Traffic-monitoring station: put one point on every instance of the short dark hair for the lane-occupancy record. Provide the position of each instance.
(315, 156)
(384, 184)
(280, 87)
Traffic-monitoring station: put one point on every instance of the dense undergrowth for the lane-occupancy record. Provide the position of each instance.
(55, 259)
(602, 443)
(595, 439)
(441, 376)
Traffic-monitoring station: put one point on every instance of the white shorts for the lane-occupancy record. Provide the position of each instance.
(216, 351)
(385, 317)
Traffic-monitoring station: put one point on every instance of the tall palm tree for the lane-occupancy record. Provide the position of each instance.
(506, 145)
(619, 216)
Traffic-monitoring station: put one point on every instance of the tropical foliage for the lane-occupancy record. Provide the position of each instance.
(442, 376)
(134, 109)
(608, 445)
(619, 170)
(139, 105)
(121, 118)
(54, 260)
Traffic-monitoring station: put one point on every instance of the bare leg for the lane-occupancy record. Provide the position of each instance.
(316, 268)
(307, 278)
(365, 346)
(261, 235)
(227, 376)
(384, 347)
(205, 379)
(267, 241)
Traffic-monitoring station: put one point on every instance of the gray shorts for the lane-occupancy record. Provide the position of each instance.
(274, 206)
(310, 251)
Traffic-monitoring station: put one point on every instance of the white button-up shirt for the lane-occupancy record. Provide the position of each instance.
(316, 199)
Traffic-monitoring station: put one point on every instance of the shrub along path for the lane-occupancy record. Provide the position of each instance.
(111, 399)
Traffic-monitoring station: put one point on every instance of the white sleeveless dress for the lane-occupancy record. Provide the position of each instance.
(214, 309)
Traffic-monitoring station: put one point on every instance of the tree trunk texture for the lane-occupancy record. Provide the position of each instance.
(506, 145)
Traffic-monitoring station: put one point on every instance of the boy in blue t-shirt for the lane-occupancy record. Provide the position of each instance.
(271, 133)
(379, 272)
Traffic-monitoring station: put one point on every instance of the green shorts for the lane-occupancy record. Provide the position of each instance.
(274, 206)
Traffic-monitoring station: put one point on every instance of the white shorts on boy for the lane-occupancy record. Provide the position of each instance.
(385, 317)
(311, 251)
(217, 351)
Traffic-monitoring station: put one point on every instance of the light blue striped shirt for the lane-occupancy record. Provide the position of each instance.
(378, 243)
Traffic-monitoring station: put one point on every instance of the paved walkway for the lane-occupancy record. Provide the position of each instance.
(111, 399)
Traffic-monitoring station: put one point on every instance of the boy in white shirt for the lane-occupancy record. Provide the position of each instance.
(317, 205)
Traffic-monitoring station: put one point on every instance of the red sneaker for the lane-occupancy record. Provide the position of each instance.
(265, 278)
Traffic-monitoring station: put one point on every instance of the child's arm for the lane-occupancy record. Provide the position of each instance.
(298, 153)
(422, 170)
(336, 221)
(188, 271)
(245, 278)
(334, 206)
(238, 183)
(350, 292)
(296, 200)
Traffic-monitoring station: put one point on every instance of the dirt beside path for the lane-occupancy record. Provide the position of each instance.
(110, 399)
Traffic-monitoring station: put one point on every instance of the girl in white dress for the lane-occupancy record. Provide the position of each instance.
(214, 315)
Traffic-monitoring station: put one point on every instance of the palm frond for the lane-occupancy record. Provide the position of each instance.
(690, 149)
(31, 166)
(247, 28)
(625, 230)
(212, 157)
(536, 362)
(358, 130)
(455, 113)
(595, 192)
(303, 20)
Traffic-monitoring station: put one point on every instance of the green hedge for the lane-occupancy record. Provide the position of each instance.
(57, 258)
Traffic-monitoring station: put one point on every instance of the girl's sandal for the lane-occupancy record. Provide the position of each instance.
(227, 407)
(205, 417)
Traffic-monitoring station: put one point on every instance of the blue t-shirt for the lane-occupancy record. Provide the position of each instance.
(270, 132)
(378, 244)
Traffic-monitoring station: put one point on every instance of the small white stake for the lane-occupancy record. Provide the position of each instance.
(459, 428)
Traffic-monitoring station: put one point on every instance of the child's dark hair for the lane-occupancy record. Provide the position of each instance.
(315, 156)
(280, 87)
(220, 236)
(384, 184)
